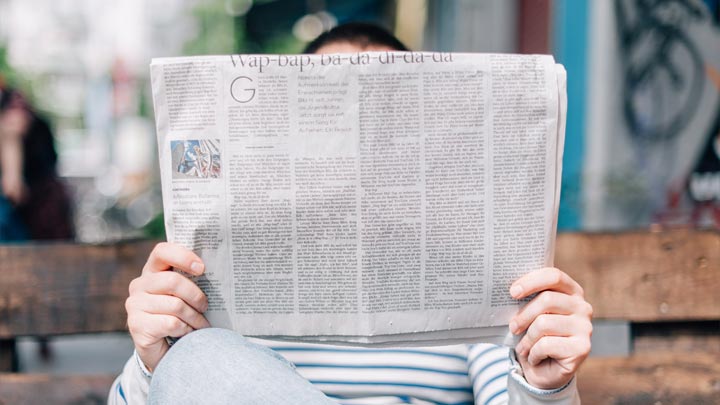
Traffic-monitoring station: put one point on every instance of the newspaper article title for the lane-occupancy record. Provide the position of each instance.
(306, 62)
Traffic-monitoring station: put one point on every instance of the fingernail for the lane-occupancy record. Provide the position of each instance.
(513, 327)
(197, 267)
(519, 348)
(516, 290)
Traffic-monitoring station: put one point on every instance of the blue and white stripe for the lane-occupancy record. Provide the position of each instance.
(458, 375)
(489, 366)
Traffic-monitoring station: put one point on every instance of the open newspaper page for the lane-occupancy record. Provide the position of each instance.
(369, 198)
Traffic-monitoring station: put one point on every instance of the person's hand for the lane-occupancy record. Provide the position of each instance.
(165, 303)
(557, 325)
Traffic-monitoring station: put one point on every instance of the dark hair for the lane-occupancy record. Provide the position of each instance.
(356, 33)
(6, 95)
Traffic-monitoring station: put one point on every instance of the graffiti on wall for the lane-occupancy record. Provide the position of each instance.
(670, 61)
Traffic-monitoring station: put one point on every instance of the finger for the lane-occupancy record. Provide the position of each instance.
(548, 278)
(549, 302)
(173, 284)
(169, 305)
(560, 348)
(165, 256)
(552, 325)
(147, 329)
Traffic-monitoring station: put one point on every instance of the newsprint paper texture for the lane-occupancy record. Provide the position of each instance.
(381, 198)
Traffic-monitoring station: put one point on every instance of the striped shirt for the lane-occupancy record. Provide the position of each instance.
(458, 374)
(430, 375)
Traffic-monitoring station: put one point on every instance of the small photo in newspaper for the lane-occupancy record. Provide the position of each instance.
(196, 159)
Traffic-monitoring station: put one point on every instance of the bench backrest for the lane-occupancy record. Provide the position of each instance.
(666, 284)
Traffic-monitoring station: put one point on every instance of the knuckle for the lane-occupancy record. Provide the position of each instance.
(129, 305)
(201, 300)
(158, 248)
(134, 327)
(176, 280)
(173, 280)
(131, 323)
(586, 347)
(176, 305)
(542, 323)
(172, 324)
(532, 334)
(529, 336)
(539, 347)
(589, 309)
(556, 276)
(157, 252)
(134, 285)
(545, 299)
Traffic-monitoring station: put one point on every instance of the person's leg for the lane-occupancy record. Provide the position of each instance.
(218, 366)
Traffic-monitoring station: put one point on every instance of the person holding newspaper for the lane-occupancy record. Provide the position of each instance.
(210, 365)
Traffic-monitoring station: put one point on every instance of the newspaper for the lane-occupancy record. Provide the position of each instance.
(381, 198)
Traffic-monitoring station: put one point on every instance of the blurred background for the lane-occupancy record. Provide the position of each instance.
(643, 132)
(644, 85)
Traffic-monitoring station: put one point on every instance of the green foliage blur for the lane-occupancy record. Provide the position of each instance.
(10, 77)
(155, 229)
(221, 33)
(216, 30)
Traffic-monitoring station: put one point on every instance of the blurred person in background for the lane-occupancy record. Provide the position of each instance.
(218, 366)
(36, 202)
(13, 121)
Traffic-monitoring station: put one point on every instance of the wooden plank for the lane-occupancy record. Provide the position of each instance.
(651, 378)
(43, 389)
(646, 276)
(64, 288)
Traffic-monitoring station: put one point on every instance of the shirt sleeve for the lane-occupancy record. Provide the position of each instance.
(520, 392)
(131, 387)
(497, 379)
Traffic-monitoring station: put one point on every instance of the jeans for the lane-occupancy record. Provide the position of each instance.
(11, 228)
(219, 366)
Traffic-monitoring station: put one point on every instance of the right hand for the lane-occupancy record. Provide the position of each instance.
(165, 303)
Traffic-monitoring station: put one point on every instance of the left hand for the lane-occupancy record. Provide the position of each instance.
(557, 325)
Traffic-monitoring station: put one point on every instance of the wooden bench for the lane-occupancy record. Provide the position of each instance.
(665, 284)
